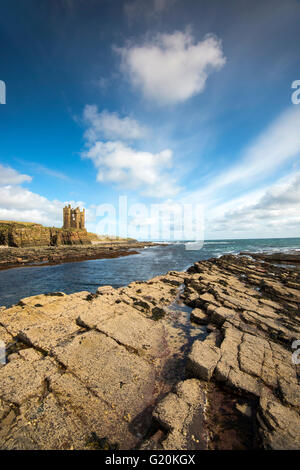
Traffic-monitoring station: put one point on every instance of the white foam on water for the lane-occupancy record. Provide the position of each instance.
(219, 243)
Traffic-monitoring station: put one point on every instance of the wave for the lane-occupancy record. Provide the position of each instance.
(218, 243)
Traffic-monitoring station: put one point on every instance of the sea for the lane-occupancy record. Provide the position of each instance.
(18, 283)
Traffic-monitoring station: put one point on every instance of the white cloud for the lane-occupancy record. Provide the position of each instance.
(171, 68)
(20, 204)
(284, 195)
(119, 163)
(10, 176)
(273, 213)
(43, 170)
(129, 168)
(110, 125)
(17, 203)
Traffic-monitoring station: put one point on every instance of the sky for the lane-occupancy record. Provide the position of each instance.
(164, 102)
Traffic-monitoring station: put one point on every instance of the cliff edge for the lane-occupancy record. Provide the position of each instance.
(25, 234)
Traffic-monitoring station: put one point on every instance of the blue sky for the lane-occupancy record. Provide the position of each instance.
(162, 101)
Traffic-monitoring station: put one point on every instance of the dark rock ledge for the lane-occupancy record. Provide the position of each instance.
(128, 368)
(12, 257)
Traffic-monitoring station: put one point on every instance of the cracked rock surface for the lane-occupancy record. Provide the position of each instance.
(84, 371)
(189, 360)
(256, 315)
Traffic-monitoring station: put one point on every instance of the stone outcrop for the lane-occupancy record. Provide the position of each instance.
(180, 413)
(29, 235)
(194, 360)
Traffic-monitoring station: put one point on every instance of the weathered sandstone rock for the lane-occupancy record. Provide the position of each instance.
(202, 360)
(85, 367)
(25, 234)
(200, 317)
(100, 371)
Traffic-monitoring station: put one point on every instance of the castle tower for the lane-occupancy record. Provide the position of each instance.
(67, 216)
(73, 218)
(82, 219)
(77, 218)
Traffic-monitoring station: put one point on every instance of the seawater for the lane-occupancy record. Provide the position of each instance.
(88, 275)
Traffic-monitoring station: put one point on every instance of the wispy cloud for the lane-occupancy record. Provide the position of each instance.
(10, 176)
(171, 68)
(48, 171)
(278, 144)
(43, 170)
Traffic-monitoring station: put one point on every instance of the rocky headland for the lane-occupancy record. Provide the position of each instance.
(200, 359)
(28, 244)
(48, 255)
(26, 234)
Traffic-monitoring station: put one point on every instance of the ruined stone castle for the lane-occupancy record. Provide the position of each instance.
(73, 218)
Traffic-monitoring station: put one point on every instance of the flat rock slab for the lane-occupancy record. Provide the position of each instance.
(21, 379)
(199, 316)
(202, 360)
(129, 328)
(120, 378)
(98, 417)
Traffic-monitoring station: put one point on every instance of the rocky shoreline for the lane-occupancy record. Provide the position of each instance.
(200, 359)
(11, 257)
(292, 257)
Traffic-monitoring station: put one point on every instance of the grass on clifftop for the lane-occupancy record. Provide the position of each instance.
(107, 238)
(19, 224)
(92, 236)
